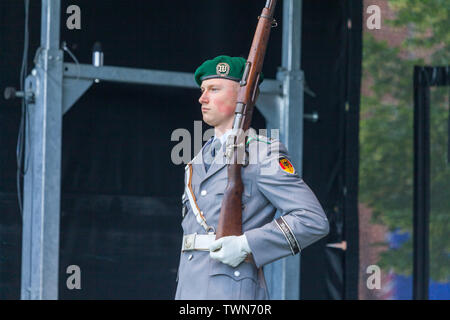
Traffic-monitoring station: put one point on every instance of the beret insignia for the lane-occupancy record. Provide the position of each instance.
(223, 69)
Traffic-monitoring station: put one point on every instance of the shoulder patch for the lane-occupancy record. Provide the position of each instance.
(286, 165)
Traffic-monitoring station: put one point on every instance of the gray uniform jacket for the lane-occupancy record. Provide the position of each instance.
(267, 187)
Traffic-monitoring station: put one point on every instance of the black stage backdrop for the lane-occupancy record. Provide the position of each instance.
(120, 204)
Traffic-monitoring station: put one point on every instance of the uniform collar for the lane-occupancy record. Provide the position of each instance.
(224, 137)
(215, 166)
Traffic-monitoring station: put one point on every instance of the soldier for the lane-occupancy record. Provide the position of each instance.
(231, 267)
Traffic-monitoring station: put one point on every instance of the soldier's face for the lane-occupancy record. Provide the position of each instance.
(218, 101)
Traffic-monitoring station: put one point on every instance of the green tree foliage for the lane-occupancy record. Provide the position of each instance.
(386, 131)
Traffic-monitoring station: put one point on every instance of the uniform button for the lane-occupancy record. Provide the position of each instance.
(237, 273)
(190, 257)
(203, 193)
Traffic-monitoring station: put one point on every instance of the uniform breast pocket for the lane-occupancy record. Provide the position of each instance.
(246, 195)
(184, 205)
(226, 282)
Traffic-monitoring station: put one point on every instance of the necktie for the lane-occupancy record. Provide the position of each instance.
(209, 152)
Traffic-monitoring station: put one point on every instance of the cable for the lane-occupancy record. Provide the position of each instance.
(24, 127)
(24, 119)
(65, 48)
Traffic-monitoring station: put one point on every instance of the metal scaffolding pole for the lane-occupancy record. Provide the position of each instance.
(40, 237)
(57, 86)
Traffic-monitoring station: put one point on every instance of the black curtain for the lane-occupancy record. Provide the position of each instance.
(331, 60)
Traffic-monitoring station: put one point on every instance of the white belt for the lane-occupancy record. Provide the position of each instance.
(196, 241)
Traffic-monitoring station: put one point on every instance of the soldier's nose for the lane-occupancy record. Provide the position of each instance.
(203, 98)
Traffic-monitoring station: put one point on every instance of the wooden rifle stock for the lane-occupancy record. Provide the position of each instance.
(230, 218)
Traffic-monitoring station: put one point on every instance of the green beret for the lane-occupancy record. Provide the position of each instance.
(224, 67)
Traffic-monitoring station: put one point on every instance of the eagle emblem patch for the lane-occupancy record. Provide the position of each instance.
(286, 165)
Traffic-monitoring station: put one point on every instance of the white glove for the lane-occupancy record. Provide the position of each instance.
(230, 250)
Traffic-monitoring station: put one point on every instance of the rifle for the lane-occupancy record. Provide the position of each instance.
(230, 218)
